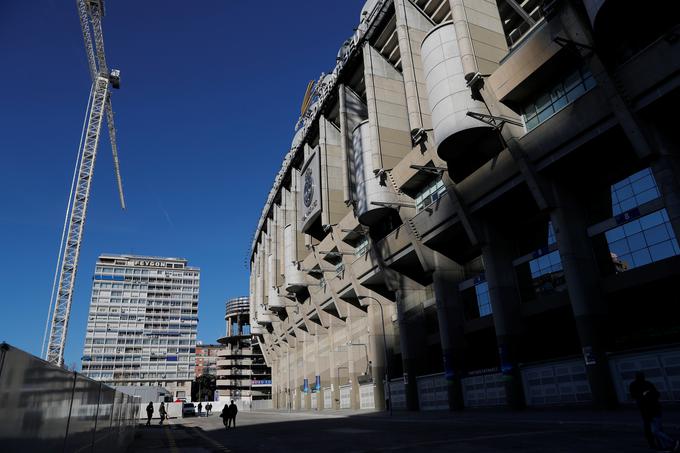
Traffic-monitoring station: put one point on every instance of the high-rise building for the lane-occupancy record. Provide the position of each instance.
(206, 358)
(480, 206)
(242, 373)
(141, 328)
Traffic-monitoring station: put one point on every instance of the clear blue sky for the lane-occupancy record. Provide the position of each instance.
(210, 94)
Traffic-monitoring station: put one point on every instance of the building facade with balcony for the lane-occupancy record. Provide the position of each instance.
(481, 206)
(206, 358)
(242, 373)
(141, 329)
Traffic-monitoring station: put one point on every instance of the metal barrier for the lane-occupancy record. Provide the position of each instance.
(398, 391)
(484, 390)
(367, 396)
(345, 396)
(46, 408)
(556, 383)
(327, 398)
(661, 367)
(433, 392)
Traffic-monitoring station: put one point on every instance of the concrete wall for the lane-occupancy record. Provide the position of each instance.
(46, 408)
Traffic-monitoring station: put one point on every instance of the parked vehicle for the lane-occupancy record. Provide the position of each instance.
(188, 410)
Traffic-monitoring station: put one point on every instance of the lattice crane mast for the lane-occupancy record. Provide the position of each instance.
(99, 107)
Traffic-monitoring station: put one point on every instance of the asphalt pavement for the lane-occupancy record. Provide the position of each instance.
(478, 431)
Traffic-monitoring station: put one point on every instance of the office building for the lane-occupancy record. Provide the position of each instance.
(141, 328)
(480, 206)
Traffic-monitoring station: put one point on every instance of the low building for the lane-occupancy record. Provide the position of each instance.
(206, 358)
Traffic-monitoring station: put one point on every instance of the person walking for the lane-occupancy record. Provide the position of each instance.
(200, 406)
(208, 408)
(162, 413)
(149, 413)
(225, 416)
(647, 396)
(233, 410)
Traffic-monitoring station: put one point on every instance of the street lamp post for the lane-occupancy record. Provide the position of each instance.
(387, 371)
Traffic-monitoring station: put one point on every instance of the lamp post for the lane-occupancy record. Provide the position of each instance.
(387, 372)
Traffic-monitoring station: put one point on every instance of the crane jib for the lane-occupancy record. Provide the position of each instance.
(99, 109)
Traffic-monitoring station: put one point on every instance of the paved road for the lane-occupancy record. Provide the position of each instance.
(479, 432)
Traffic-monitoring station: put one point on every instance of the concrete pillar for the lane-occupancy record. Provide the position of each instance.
(570, 222)
(498, 253)
(451, 318)
(666, 166)
(297, 377)
(377, 343)
(289, 380)
(306, 397)
(333, 359)
(352, 358)
(410, 333)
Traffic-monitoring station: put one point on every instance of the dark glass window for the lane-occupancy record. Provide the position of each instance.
(556, 97)
(483, 300)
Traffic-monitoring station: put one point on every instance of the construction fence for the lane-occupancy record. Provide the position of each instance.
(47, 408)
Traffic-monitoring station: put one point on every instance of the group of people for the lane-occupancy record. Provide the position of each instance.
(161, 411)
(208, 409)
(229, 415)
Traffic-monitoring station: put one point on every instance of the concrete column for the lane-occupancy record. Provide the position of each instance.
(666, 166)
(377, 343)
(351, 357)
(451, 318)
(306, 397)
(498, 253)
(297, 375)
(333, 365)
(582, 275)
(289, 380)
(408, 341)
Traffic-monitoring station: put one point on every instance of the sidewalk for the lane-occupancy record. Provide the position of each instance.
(559, 416)
(174, 437)
(473, 430)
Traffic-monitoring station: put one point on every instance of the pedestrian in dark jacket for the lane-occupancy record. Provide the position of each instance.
(225, 416)
(162, 413)
(149, 414)
(233, 410)
(647, 396)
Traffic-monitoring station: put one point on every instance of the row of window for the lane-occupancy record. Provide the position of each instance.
(162, 341)
(637, 242)
(131, 271)
(550, 101)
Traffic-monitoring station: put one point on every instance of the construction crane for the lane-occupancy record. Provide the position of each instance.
(99, 106)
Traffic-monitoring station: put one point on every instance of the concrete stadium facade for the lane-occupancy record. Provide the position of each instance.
(481, 207)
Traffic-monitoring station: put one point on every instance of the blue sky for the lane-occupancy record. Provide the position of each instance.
(210, 94)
